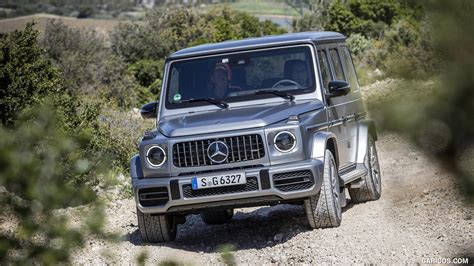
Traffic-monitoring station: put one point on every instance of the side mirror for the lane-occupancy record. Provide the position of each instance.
(338, 88)
(149, 110)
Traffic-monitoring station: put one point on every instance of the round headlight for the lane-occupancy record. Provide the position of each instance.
(155, 156)
(285, 141)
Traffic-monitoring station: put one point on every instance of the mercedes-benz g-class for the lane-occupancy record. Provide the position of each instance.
(259, 121)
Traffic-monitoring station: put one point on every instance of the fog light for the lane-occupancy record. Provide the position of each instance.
(156, 156)
(285, 141)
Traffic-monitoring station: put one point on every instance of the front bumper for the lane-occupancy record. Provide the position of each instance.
(263, 186)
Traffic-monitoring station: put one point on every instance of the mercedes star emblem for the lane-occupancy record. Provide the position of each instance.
(218, 151)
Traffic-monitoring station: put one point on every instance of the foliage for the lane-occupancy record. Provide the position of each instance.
(381, 34)
(309, 22)
(85, 11)
(80, 8)
(26, 76)
(407, 41)
(358, 44)
(38, 161)
(375, 10)
(166, 31)
(436, 115)
(146, 71)
(117, 134)
(88, 66)
(342, 20)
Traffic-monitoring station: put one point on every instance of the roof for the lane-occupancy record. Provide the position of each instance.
(266, 41)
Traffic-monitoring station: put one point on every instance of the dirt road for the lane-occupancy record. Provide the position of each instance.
(420, 215)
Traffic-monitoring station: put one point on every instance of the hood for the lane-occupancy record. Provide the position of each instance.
(221, 120)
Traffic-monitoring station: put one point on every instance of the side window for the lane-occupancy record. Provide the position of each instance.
(336, 63)
(349, 66)
(324, 65)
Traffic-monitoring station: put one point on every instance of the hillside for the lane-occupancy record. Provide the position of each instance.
(18, 23)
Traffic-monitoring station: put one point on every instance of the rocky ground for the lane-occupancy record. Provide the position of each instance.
(421, 214)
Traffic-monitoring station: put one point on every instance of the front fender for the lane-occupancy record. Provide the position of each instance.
(366, 128)
(322, 141)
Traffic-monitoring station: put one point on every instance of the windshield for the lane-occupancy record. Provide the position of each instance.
(240, 77)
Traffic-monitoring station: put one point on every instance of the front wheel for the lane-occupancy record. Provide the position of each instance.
(371, 187)
(324, 209)
(156, 228)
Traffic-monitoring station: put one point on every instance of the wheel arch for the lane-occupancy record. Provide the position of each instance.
(322, 141)
(366, 128)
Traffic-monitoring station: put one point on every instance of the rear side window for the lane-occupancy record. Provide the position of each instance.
(325, 72)
(349, 66)
(336, 63)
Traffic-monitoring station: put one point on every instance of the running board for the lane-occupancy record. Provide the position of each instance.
(353, 175)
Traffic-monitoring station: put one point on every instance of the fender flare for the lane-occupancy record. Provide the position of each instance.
(136, 168)
(322, 141)
(365, 129)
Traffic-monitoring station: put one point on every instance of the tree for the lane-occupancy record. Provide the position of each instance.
(26, 76)
(310, 5)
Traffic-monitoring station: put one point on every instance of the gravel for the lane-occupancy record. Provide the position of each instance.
(421, 214)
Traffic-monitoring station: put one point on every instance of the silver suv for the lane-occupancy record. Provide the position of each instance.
(253, 122)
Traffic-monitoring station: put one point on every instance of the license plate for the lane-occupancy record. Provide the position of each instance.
(218, 181)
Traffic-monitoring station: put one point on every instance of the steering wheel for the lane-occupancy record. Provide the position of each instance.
(286, 81)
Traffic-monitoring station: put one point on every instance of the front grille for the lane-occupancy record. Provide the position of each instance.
(293, 181)
(251, 185)
(241, 149)
(154, 196)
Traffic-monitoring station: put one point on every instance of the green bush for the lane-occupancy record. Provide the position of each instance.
(26, 76)
(118, 133)
(342, 20)
(381, 35)
(309, 22)
(358, 44)
(88, 66)
(164, 31)
(375, 10)
(39, 162)
(146, 71)
(85, 11)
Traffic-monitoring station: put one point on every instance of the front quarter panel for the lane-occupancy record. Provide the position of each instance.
(319, 145)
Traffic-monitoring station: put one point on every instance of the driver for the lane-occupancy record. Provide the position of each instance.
(296, 71)
(220, 79)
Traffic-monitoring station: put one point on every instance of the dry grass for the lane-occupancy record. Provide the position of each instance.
(18, 23)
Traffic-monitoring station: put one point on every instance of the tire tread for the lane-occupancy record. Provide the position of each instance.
(155, 228)
(320, 209)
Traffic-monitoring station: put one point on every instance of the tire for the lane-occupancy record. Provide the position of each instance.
(371, 186)
(217, 217)
(324, 210)
(156, 228)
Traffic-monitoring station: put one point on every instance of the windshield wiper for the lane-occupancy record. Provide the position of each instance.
(219, 103)
(284, 95)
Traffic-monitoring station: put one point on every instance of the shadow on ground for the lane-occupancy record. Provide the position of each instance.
(263, 227)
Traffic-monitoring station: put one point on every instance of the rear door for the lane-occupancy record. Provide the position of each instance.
(355, 106)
